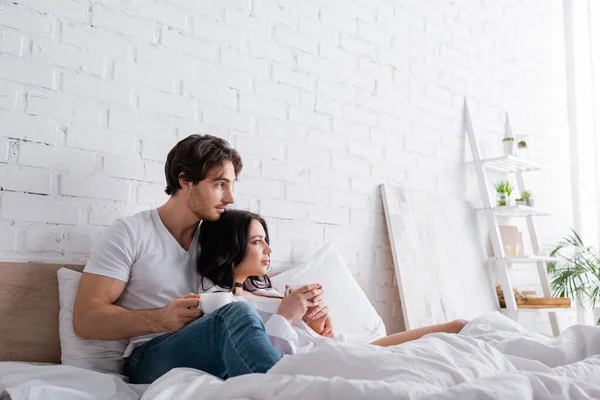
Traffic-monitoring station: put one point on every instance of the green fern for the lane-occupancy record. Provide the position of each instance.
(499, 186)
(504, 187)
(576, 274)
(509, 188)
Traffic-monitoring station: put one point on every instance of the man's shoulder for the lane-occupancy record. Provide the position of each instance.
(132, 225)
(129, 235)
(140, 219)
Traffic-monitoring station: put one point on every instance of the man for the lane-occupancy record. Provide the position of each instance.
(140, 282)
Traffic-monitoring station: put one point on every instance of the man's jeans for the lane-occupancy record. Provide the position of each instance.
(231, 341)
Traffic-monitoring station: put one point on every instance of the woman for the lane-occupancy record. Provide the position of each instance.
(235, 256)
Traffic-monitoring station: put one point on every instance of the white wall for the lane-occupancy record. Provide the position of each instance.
(324, 99)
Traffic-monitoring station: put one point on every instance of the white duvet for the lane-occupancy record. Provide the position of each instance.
(492, 358)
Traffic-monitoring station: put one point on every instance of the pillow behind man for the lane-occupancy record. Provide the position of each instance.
(351, 312)
(96, 355)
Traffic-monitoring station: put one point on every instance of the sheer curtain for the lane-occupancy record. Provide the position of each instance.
(582, 51)
(594, 18)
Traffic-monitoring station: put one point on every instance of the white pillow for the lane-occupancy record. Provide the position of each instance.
(96, 355)
(351, 312)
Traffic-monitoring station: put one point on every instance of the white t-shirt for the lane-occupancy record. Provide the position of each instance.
(140, 251)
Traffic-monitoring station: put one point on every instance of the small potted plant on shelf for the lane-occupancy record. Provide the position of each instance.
(500, 193)
(509, 190)
(520, 201)
(528, 199)
(503, 191)
(522, 145)
(509, 145)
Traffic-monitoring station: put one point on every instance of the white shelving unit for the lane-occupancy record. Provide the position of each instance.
(510, 164)
(516, 211)
(516, 166)
(550, 311)
(523, 259)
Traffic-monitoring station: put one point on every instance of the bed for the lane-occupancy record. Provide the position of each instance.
(30, 353)
(492, 358)
(29, 312)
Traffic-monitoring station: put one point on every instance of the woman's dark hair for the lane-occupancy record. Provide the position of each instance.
(222, 245)
(195, 156)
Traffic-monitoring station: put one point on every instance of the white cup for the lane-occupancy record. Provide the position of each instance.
(210, 302)
(512, 251)
(294, 287)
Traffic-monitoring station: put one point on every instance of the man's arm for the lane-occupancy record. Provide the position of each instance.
(96, 317)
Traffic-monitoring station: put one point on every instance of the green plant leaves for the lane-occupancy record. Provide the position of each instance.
(577, 272)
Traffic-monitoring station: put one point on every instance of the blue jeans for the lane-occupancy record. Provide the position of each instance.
(231, 341)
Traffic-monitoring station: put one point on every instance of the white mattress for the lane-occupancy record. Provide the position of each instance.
(493, 358)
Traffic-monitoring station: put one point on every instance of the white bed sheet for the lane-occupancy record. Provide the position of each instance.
(29, 381)
(493, 358)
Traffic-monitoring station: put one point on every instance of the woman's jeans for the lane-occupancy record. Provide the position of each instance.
(231, 341)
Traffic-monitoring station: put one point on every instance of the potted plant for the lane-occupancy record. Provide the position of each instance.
(509, 145)
(509, 190)
(522, 145)
(576, 274)
(503, 191)
(500, 193)
(528, 199)
(520, 201)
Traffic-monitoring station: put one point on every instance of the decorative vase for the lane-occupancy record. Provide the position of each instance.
(529, 202)
(509, 147)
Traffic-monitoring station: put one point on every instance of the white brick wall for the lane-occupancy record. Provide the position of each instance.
(325, 100)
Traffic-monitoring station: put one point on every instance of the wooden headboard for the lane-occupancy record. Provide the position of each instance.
(29, 312)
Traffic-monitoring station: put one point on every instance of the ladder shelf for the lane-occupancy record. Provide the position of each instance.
(516, 166)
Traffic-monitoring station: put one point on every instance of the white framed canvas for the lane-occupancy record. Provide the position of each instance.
(439, 262)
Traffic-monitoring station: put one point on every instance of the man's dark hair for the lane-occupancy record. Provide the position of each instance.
(195, 156)
(222, 245)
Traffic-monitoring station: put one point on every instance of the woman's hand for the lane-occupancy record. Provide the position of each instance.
(318, 319)
(322, 326)
(294, 305)
(328, 328)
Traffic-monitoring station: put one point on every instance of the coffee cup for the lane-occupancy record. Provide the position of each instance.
(291, 288)
(210, 302)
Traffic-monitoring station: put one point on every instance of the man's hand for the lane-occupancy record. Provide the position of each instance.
(179, 313)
